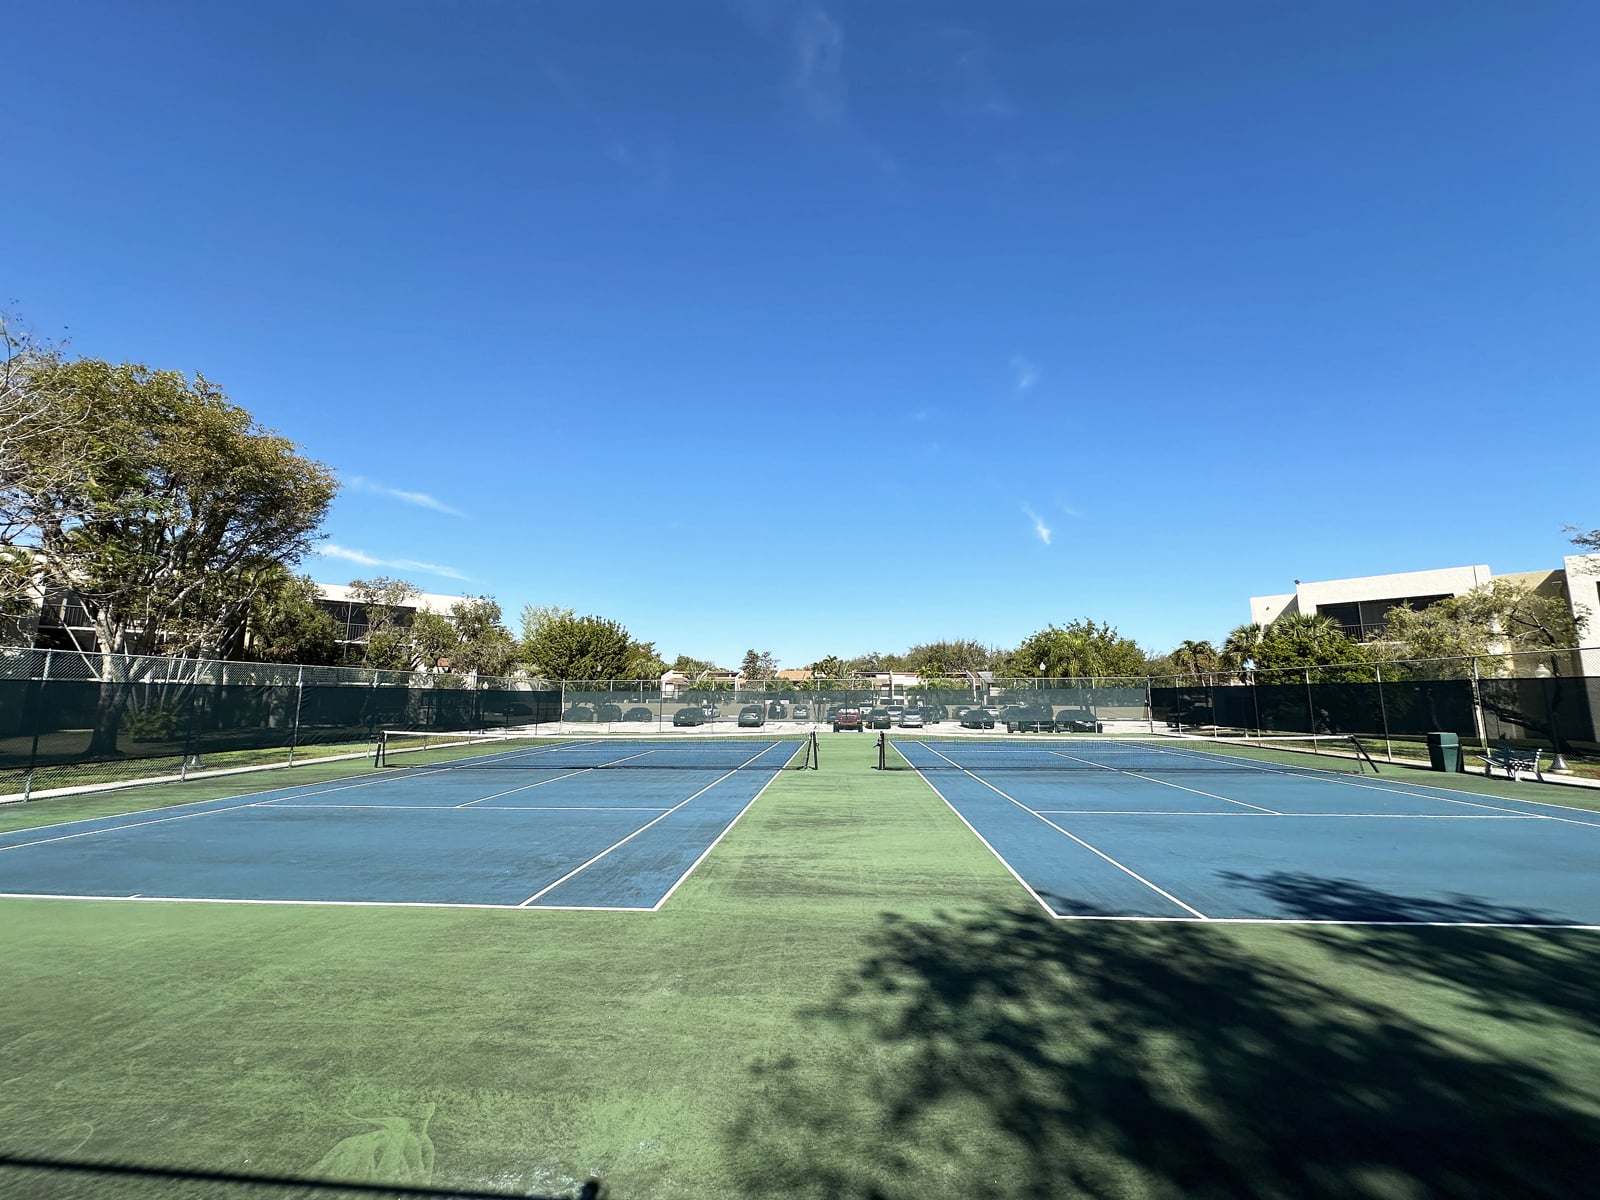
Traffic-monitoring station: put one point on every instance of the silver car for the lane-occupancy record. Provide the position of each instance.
(911, 719)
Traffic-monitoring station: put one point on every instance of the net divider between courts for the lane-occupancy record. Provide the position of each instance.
(429, 750)
(1302, 754)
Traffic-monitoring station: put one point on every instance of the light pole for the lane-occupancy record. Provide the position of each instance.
(1544, 674)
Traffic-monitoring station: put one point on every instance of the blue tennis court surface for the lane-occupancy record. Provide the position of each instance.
(533, 837)
(1240, 841)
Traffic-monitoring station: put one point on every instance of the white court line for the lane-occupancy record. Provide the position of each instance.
(704, 853)
(1162, 782)
(1000, 858)
(1450, 799)
(1154, 812)
(585, 866)
(529, 808)
(1189, 908)
(225, 808)
(525, 787)
(320, 903)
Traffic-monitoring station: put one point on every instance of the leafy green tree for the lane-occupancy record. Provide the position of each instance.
(692, 667)
(288, 625)
(152, 500)
(1501, 615)
(389, 606)
(1589, 540)
(948, 657)
(431, 640)
(483, 643)
(559, 645)
(1080, 650)
(1301, 640)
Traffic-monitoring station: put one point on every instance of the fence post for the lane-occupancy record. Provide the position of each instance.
(1383, 710)
(1150, 704)
(1478, 723)
(1311, 709)
(299, 697)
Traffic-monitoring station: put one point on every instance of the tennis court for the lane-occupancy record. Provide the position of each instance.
(500, 823)
(1190, 829)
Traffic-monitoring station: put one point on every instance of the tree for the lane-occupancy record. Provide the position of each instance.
(559, 645)
(156, 503)
(1080, 650)
(483, 643)
(948, 657)
(1196, 658)
(1502, 615)
(758, 666)
(1301, 640)
(1589, 540)
(431, 641)
(388, 605)
(287, 625)
(832, 667)
(1240, 647)
(692, 667)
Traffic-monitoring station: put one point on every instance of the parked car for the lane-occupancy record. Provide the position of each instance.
(608, 712)
(752, 715)
(848, 718)
(777, 710)
(911, 719)
(1076, 720)
(934, 713)
(977, 718)
(879, 718)
(639, 714)
(691, 715)
(802, 712)
(1029, 718)
(578, 712)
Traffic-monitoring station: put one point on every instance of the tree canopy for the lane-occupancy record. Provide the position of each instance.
(1079, 650)
(560, 645)
(1302, 640)
(1501, 615)
(151, 499)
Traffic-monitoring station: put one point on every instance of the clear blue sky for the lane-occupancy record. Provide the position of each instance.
(826, 328)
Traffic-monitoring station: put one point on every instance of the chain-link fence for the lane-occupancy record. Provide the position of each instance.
(72, 720)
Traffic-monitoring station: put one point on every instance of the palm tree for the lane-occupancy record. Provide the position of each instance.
(1196, 658)
(1239, 650)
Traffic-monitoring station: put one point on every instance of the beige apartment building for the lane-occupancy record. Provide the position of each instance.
(1361, 605)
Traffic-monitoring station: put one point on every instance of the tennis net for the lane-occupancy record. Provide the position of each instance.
(414, 749)
(1308, 753)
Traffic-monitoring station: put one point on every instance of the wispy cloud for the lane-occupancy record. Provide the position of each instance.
(420, 499)
(1069, 509)
(1024, 372)
(1040, 529)
(816, 44)
(332, 550)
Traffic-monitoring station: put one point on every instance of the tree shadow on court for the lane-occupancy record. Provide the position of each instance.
(1538, 976)
(1002, 1054)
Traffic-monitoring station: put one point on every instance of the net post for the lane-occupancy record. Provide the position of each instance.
(883, 754)
(815, 758)
(1362, 751)
(379, 747)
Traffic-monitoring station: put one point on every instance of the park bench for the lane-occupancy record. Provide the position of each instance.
(1512, 761)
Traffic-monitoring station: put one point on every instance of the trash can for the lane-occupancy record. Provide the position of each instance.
(1444, 752)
